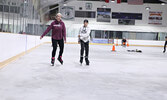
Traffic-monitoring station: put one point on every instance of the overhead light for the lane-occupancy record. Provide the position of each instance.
(163, 4)
(25, 1)
(104, 6)
(147, 8)
(112, 1)
(65, 4)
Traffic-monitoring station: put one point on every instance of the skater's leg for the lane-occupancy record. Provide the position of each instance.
(61, 45)
(82, 48)
(81, 51)
(165, 47)
(87, 53)
(87, 49)
(54, 44)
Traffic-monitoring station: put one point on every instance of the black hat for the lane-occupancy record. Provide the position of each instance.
(165, 36)
(86, 21)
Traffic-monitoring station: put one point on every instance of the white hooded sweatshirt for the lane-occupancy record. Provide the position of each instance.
(84, 33)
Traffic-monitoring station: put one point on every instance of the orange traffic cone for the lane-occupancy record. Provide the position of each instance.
(113, 47)
(117, 43)
(127, 43)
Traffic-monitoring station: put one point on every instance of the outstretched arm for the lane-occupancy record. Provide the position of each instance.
(46, 31)
(79, 35)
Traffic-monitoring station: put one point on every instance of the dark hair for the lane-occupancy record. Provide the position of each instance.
(165, 36)
(86, 21)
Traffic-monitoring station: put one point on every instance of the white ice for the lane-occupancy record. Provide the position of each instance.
(119, 75)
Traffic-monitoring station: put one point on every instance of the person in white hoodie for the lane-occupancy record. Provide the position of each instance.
(84, 36)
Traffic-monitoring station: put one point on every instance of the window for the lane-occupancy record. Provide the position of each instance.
(85, 14)
(103, 14)
(119, 15)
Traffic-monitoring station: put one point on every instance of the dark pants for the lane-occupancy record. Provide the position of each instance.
(84, 47)
(61, 45)
(165, 46)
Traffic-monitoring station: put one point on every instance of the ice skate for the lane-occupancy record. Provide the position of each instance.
(87, 61)
(81, 60)
(60, 59)
(52, 61)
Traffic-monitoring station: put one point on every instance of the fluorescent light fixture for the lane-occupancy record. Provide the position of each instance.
(104, 6)
(65, 4)
(25, 1)
(112, 1)
(147, 8)
(163, 4)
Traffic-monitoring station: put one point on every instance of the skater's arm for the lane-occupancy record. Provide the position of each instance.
(79, 35)
(47, 30)
(80, 32)
(64, 32)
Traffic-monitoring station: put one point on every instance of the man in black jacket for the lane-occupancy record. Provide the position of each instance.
(165, 44)
(124, 41)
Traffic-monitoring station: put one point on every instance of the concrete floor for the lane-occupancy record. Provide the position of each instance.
(119, 75)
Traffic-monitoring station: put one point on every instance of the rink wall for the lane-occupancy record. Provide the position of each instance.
(147, 43)
(15, 44)
(143, 43)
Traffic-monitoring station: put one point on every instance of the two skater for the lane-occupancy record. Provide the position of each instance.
(58, 37)
(84, 36)
(165, 44)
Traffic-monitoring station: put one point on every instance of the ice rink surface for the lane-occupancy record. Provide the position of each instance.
(119, 75)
